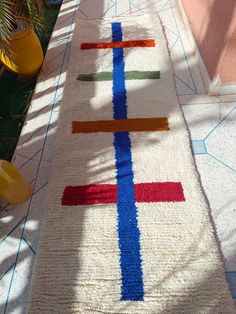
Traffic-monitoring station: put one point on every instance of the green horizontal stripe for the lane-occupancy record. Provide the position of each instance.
(102, 76)
(142, 75)
(129, 75)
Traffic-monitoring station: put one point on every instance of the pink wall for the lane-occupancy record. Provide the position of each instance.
(213, 24)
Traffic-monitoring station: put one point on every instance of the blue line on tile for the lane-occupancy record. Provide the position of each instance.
(219, 123)
(170, 30)
(85, 15)
(115, 4)
(62, 22)
(40, 189)
(134, 5)
(147, 7)
(189, 87)
(46, 106)
(54, 70)
(183, 47)
(4, 274)
(32, 135)
(32, 250)
(104, 13)
(45, 91)
(57, 102)
(10, 232)
(163, 7)
(29, 159)
(39, 111)
(174, 43)
(221, 162)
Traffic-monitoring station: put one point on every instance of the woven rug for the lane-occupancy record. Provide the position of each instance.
(126, 229)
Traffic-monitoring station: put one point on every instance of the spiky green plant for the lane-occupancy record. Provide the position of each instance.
(32, 11)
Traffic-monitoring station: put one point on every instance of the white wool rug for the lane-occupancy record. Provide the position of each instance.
(126, 228)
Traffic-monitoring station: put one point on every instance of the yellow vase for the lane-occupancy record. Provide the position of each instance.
(27, 56)
(13, 188)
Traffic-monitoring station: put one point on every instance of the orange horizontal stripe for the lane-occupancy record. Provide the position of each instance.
(128, 125)
(119, 44)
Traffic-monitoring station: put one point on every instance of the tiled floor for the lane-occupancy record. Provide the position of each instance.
(211, 122)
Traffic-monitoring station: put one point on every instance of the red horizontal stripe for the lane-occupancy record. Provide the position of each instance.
(107, 193)
(119, 44)
(159, 192)
(90, 194)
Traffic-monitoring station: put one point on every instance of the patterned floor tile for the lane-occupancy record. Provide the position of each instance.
(219, 184)
(221, 141)
(5, 284)
(203, 119)
(19, 288)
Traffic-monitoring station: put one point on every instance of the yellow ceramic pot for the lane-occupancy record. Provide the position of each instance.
(27, 54)
(13, 187)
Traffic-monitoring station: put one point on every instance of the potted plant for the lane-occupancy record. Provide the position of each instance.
(20, 48)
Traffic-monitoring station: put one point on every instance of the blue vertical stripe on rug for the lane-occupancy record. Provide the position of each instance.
(128, 231)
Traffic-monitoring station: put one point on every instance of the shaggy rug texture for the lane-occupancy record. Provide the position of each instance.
(126, 228)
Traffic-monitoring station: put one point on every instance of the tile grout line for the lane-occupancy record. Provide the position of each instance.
(28, 159)
(31, 248)
(182, 46)
(219, 123)
(4, 274)
(13, 229)
(189, 87)
(221, 162)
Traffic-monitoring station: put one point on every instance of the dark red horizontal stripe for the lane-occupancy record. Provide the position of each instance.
(119, 44)
(90, 194)
(107, 193)
(159, 192)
